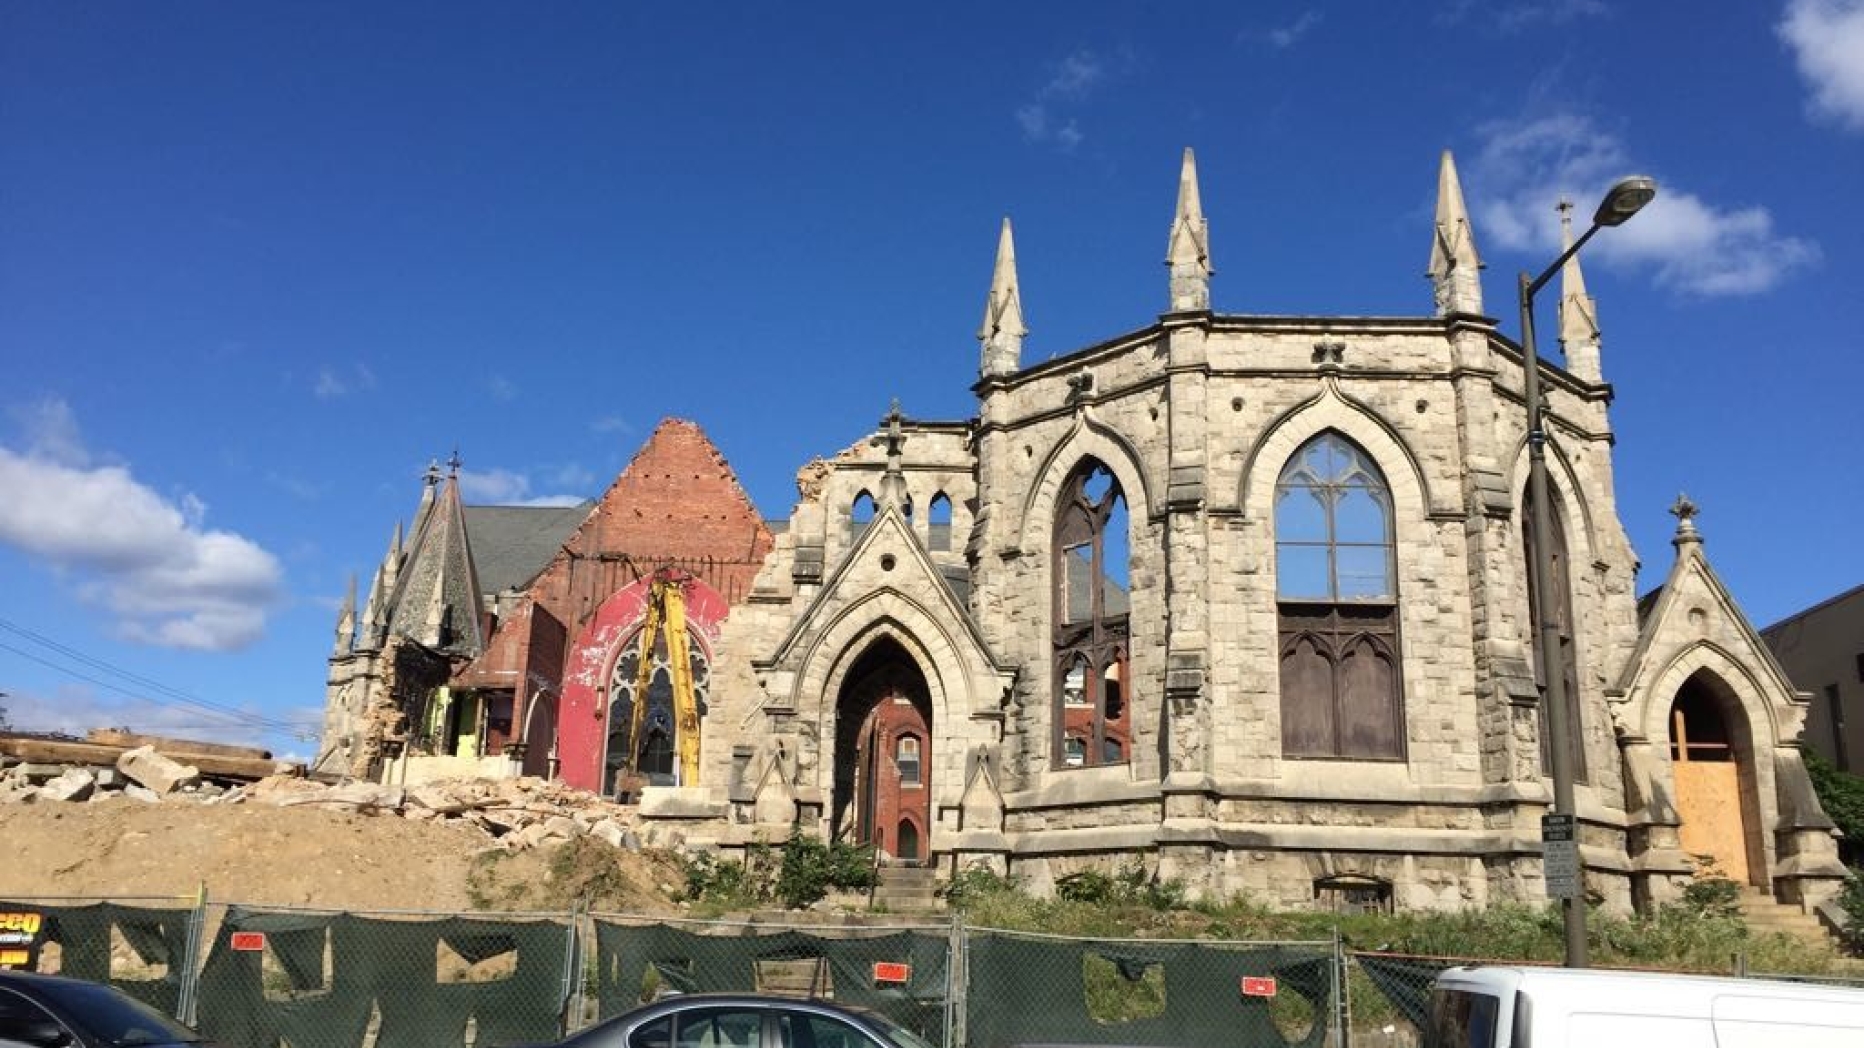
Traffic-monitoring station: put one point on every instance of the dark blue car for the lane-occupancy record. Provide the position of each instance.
(46, 1011)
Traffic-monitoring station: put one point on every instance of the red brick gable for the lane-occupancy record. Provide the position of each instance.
(677, 502)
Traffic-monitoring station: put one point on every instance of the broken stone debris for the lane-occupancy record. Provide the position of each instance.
(518, 813)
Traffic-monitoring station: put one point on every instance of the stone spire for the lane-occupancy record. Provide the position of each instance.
(1188, 253)
(375, 613)
(346, 622)
(391, 561)
(1002, 332)
(1455, 268)
(1579, 315)
(893, 437)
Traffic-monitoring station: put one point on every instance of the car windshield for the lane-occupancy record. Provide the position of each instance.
(115, 1017)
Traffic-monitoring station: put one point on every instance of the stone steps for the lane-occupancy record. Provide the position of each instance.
(1761, 912)
(908, 889)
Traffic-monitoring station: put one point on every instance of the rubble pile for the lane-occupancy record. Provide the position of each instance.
(518, 813)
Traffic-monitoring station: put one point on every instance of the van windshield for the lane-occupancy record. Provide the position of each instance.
(1461, 1019)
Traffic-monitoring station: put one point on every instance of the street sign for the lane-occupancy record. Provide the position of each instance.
(1560, 856)
(1258, 986)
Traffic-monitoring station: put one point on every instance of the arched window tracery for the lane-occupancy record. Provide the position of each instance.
(1337, 603)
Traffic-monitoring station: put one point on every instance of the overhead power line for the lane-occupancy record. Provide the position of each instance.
(168, 695)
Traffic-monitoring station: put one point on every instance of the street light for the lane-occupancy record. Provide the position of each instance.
(1621, 202)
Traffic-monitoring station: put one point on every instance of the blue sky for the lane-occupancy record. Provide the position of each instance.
(261, 262)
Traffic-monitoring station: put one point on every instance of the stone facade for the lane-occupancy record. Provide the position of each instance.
(948, 598)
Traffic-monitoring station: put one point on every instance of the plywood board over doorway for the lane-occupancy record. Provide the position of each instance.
(1708, 797)
(1708, 790)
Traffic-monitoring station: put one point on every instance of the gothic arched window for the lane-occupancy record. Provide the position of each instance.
(938, 518)
(1089, 579)
(1560, 611)
(1341, 689)
(654, 755)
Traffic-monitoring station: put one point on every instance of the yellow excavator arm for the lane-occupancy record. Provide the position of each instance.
(666, 610)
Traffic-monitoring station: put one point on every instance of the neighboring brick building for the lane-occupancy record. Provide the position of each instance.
(1243, 597)
(1822, 649)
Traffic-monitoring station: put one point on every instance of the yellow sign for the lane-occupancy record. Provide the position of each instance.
(19, 937)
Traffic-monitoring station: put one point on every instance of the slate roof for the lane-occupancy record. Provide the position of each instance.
(512, 544)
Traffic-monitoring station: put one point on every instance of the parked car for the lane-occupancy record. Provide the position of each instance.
(48, 1011)
(1507, 1007)
(719, 1020)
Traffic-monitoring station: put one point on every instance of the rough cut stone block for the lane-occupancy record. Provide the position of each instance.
(149, 768)
(73, 785)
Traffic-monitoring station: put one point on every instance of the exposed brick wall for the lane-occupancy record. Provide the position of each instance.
(676, 502)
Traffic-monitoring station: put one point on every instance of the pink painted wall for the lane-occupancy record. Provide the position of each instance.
(582, 721)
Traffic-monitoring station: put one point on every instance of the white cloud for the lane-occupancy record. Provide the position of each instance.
(1070, 81)
(150, 561)
(1687, 243)
(611, 424)
(51, 431)
(1516, 17)
(1285, 37)
(504, 487)
(1827, 41)
(501, 388)
(333, 384)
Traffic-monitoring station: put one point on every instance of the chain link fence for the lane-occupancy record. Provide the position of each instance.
(262, 976)
(1024, 988)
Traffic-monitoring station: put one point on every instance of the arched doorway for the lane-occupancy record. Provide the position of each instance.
(1712, 761)
(883, 733)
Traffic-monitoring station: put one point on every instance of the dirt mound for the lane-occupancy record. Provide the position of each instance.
(311, 856)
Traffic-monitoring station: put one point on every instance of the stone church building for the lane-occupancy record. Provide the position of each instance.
(1242, 597)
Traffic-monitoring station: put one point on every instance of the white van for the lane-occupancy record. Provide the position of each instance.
(1498, 1007)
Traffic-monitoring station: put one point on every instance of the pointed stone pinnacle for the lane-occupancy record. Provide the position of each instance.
(1454, 263)
(1188, 251)
(1003, 330)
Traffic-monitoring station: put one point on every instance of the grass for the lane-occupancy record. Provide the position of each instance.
(1680, 937)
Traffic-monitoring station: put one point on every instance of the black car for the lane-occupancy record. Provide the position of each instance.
(739, 1020)
(46, 1011)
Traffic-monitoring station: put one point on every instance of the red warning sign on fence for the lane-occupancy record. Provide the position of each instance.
(1258, 986)
(248, 941)
(892, 972)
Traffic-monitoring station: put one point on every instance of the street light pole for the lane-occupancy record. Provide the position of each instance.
(1620, 203)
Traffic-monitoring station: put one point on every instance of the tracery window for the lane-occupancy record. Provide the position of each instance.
(1341, 688)
(1561, 612)
(1089, 581)
(654, 754)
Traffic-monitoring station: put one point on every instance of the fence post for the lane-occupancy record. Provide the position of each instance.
(573, 1006)
(956, 979)
(1741, 963)
(1342, 1008)
(186, 1005)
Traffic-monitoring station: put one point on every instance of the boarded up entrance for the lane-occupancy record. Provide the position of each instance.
(1711, 798)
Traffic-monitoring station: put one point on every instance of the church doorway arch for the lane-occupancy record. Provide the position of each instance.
(1712, 761)
(883, 732)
